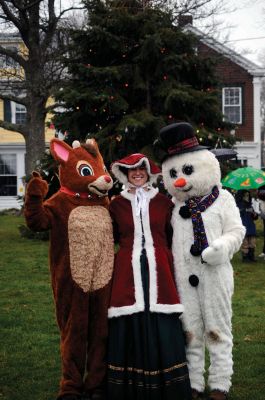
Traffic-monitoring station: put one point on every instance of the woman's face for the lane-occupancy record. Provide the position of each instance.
(138, 176)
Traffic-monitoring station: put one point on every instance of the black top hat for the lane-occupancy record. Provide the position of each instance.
(178, 138)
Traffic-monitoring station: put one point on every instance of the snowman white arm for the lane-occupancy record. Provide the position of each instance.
(223, 248)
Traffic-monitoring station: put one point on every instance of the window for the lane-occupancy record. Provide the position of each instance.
(14, 112)
(8, 175)
(20, 113)
(232, 104)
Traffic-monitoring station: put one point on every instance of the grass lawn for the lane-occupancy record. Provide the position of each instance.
(30, 359)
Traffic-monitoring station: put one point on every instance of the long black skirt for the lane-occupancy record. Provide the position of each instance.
(146, 355)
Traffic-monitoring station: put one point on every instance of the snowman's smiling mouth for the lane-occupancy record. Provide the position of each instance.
(186, 189)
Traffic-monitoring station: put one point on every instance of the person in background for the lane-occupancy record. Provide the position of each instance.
(248, 216)
(146, 355)
(261, 198)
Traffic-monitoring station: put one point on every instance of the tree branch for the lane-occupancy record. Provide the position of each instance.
(14, 128)
(10, 15)
(50, 27)
(69, 9)
(53, 106)
(12, 54)
(51, 10)
(16, 99)
(26, 7)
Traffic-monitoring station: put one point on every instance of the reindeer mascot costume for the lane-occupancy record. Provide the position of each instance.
(81, 261)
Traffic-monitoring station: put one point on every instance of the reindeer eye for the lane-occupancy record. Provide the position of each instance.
(85, 170)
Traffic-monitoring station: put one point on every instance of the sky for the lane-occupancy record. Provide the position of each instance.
(245, 27)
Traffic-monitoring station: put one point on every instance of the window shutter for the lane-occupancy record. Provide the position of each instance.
(7, 111)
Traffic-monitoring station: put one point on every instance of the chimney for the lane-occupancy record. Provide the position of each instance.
(184, 20)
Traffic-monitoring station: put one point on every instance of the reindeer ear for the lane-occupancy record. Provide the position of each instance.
(60, 150)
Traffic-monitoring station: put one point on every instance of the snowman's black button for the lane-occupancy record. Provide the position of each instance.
(194, 280)
(195, 251)
(184, 212)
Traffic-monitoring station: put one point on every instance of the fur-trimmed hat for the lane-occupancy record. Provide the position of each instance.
(178, 138)
(133, 161)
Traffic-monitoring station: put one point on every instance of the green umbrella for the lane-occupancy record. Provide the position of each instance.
(244, 178)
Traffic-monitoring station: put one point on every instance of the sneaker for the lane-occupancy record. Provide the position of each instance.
(261, 255)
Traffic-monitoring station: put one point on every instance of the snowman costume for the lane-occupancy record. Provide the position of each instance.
(207, 232)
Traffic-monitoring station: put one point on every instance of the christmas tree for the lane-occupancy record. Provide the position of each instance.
(132, 71)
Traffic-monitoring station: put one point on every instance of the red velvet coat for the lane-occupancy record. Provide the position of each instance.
(127, 291)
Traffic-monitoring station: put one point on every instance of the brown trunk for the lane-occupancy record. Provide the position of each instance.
(35, 138)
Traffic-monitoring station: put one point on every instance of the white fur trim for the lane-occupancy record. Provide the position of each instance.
(115, 169)
(150, 253)
(125, 310)
(139, 305)
(134, 308)
(167, 308)
(151, 193)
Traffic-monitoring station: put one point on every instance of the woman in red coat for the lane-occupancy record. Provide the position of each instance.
(146, 358)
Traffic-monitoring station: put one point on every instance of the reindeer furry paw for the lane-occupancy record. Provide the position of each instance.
(37, 186)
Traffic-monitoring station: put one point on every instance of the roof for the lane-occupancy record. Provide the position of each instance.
(9, 137)
(252, 68)
(10, 37)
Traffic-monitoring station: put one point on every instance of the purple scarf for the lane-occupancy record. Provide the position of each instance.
(196, 206)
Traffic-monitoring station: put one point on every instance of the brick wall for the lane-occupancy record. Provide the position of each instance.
(229, 74)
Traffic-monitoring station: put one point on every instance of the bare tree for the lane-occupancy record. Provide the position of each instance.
(36, 68)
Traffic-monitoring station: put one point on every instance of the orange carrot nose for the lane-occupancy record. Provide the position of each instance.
(180, 182)
(107, 178)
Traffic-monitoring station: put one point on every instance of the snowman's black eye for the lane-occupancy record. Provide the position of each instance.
(187, 169)
(173, 173)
